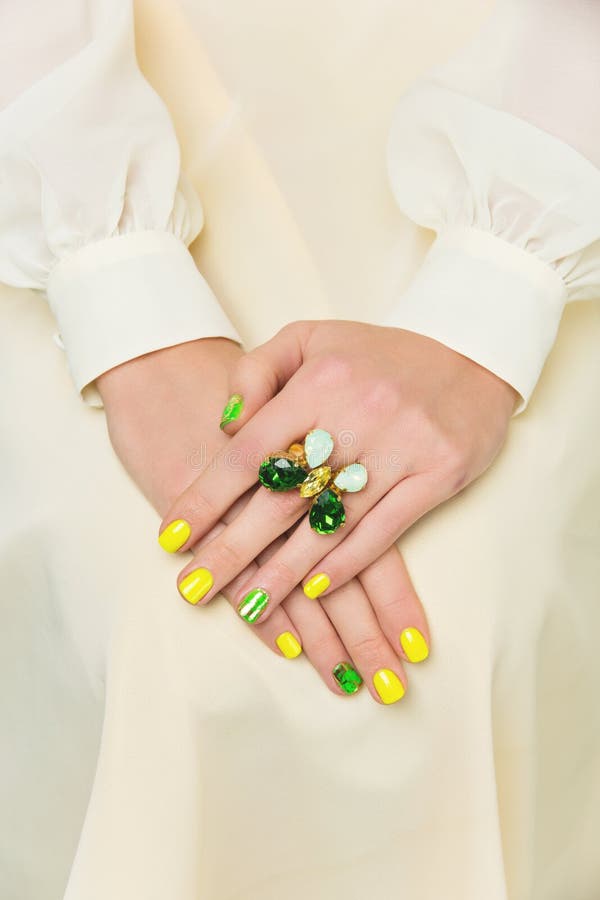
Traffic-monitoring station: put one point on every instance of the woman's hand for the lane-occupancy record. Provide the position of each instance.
(163, 411)
(424, 419)
(160, 410)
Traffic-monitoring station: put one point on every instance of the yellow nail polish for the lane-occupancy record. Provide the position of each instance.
(196, 585)
(414, 645)
(174, 535)
(388, 686)
(316, 585)
(288, 645)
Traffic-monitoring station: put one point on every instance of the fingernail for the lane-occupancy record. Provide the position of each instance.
(347, 677)
(195, 585)
(253, 604)
(414, 645)
(174, 535)
(388, 686)
(316, 585)
(233, 410)
(288, 645)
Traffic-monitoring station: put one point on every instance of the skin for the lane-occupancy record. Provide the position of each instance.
(425, 420)
(163, 411)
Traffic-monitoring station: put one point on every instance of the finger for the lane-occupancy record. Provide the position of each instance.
(302, 626)
(234, 547)
(289, 565)
(397, 606)
(377, 531)
(322, 644)
(352, 615)
(261, 373)
(308, 629)
(233, 470)
(279, 633)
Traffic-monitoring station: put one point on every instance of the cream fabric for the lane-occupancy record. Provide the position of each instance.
(152, 750)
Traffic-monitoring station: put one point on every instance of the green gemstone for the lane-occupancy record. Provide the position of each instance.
(326, 513)
(233, 410)
(347, 677)
(278, 473)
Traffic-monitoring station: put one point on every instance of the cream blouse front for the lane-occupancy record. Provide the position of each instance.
(497, 151)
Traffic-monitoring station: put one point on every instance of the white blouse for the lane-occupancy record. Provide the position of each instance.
(497, 151)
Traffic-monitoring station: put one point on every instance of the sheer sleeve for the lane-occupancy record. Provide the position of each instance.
(498, 152)
(94, 209)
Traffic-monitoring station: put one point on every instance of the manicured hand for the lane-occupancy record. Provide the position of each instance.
(423, 419)
(162, 411)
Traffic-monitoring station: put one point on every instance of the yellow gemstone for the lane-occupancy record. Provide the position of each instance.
(315, 482)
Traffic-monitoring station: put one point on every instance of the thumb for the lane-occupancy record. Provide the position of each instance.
(261, 373)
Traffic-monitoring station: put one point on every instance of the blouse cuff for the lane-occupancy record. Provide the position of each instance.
(493, 302)
(127, 295)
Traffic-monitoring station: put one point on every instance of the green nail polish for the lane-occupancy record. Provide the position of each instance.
(233, 409)
(253, 604)
(347, 677)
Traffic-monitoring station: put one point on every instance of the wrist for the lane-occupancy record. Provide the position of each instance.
(163, 369)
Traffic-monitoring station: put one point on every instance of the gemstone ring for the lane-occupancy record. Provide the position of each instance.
(303, 466)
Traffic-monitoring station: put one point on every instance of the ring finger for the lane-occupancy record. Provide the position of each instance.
(352, 615)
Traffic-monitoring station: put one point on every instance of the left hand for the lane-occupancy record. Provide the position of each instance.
(425, 421)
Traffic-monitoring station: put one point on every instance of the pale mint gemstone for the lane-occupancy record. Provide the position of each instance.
(317, 447)
(353, 478)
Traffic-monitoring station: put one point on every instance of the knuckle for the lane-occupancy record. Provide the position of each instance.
(460, 480)
(370, 650)
(197, 508)
(381, 398)
(322, 647)
(226, 556)
(390, 602)
(246, 457)
(331, 371)
(282, 574)
(454, 466)
(402, 604)
(389, 529)
(254, 369)
(290, 505)
(246, 365)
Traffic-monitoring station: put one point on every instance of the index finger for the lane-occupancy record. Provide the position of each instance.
(235, 469)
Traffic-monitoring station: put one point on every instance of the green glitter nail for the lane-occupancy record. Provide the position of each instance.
(233, 410)
(347, 677)
(253, 604)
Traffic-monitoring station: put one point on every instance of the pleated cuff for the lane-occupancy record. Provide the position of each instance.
(487, 299)
(119, 298)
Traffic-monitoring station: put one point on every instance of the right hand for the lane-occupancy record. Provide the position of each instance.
(163, 411)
